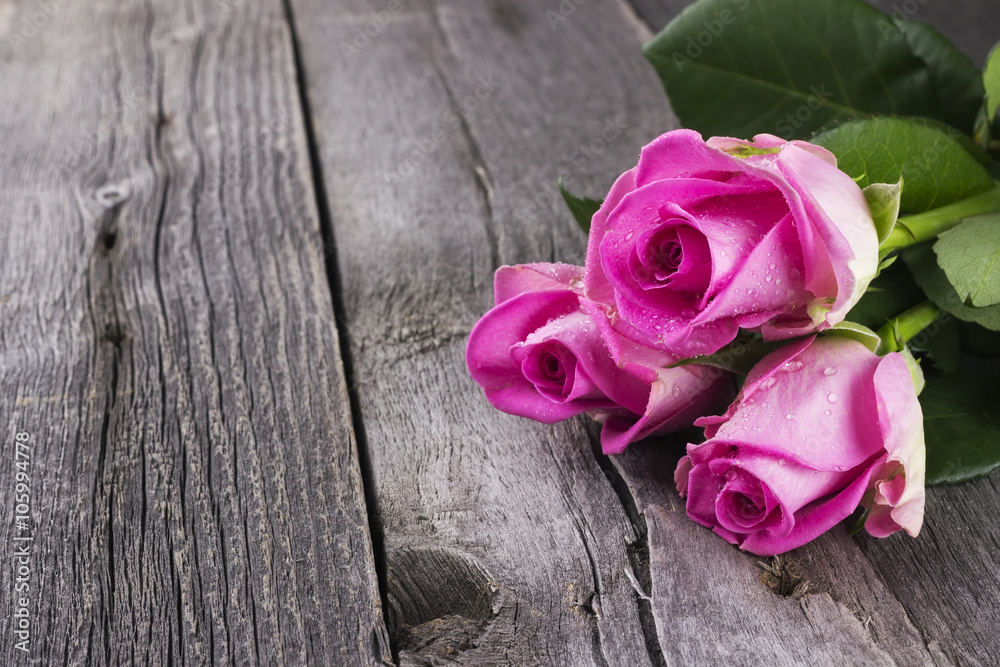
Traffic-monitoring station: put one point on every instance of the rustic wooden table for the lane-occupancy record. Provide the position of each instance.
(243, 243)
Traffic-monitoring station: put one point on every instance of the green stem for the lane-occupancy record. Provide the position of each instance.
(923, 226)
(898, 330)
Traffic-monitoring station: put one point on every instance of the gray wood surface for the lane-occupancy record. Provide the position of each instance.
(465, 493)
(167, 339)
(195, 197)
(504, 541)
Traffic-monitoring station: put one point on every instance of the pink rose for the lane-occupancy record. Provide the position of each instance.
(702, 238)
(821, 426)
(538, 354)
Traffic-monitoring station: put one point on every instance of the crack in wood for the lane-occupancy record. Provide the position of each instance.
(480, 170)
(381, 636)
(638, 551)
(784, 577)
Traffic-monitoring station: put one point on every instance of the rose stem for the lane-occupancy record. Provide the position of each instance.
(913, 229)
(902, 328)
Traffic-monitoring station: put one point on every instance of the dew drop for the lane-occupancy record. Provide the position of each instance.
(773, 265)
(833, 398)
(782, 462)
(766, 384)
(628, 237)
(768, 277)
(676, 391)
(828, 412)
(778, 281)
(792, 366)
(789, 416)
(829, 371)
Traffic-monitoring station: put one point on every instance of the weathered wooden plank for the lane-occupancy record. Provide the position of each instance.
(713, 603)
(930, 599)
(504, 541)
(168, 343)
(948, 579)
(462, 490)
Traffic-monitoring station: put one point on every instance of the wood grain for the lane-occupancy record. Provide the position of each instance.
(167, 340)
(463, 490)
(505, 543)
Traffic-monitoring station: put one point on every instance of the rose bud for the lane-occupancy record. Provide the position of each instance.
(702, 238)
(538, 354)
(821, 426)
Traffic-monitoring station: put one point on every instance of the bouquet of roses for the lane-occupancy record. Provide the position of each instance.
(768, 265)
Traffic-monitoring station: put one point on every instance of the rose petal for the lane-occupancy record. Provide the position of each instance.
(683, 154)
(840, 215)
(676, 399)
(817, 407)
(811, 521)
(899, 502)
(511, 281)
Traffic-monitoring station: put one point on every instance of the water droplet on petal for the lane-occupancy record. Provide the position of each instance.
(828, 412)
(829, 371)
(789, 416)
(833, 398)
(782, 462)
(766, 384)
(792, 366)
(768, 277)
(676, 391)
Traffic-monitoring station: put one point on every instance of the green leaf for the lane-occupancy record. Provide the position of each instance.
(991, 82)
(979, 340)
(923, 263)
(936, 170)
(977, 152)
(969, 254)
(885, 262)
(582, 208)
(991, 100)
(891, 293)
(738, 357)
(883, 200)
(790, 67)
(961, 426)
(941, 343)
(916, 373)
(857, 332)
